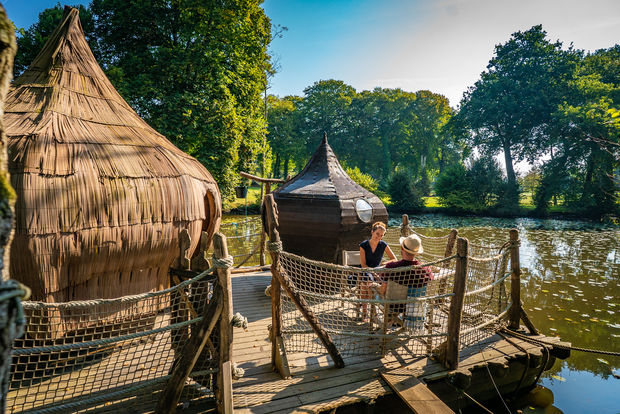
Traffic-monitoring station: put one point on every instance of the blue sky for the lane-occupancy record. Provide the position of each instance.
(440, 45)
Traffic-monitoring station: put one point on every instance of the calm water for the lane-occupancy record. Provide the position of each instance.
(570, 288)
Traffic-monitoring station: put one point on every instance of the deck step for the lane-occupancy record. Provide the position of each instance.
(415, 393)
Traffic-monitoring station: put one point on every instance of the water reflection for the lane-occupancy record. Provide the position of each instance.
(570, 274)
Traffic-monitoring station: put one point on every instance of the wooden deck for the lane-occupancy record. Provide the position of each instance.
(315, 385)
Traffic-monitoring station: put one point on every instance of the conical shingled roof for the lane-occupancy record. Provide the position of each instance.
(323, 178)
(102, 196)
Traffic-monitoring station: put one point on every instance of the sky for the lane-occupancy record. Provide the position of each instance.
(438, 45)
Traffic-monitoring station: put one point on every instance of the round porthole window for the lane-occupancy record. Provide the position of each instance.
(363, 210)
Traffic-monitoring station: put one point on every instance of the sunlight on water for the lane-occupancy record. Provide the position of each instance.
(570, 288)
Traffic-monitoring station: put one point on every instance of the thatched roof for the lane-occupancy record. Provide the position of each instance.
(323, 178)
(102, 196)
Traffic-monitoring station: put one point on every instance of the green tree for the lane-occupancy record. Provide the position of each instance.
(403, 193)
(510, 108)
(324, 108)
(195, 71)
(31, 40)
(587, 149)
(474, 188)
(284, 140)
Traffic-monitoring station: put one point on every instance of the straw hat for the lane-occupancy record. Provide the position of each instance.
(411, 244)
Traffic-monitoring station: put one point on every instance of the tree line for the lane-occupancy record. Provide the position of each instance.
(197, 72)
(555, 107)
(194, 70)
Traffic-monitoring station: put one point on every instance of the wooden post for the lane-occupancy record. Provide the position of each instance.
(515, 280)
(200, 263)
(300, 302)
(220, 251)
(270, 224)
(451, 359)
(262, 234)
(405, 230)
(450, 243)
(169, 397)
(185, 242)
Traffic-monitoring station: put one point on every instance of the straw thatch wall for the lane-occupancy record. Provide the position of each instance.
(102, 196)
(8, 311)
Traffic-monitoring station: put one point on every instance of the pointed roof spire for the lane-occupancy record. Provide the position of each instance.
(323, 177)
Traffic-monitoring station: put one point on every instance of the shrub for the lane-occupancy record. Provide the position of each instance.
(404, 195)
(471, 189)
(363, 179)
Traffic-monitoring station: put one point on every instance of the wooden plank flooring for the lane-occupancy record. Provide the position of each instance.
(315, 385)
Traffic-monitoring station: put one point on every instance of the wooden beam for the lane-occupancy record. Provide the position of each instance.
(282, 359)
(227, 388)
(270, 226)
(515, 280)
(220, 251)
(261, 179)
(415, 394)
(169, 397)
(528, 323)
(451, 359)
(300, 302)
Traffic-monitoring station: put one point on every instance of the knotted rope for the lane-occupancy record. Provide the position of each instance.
(222, 263)
(274, 246)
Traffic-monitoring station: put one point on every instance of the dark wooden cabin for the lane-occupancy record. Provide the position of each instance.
(322, 211)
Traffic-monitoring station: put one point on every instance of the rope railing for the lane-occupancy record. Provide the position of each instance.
(93, 354)
(348, 306)
(348, 311)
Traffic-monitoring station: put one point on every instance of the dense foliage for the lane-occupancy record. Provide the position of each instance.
(196, 72)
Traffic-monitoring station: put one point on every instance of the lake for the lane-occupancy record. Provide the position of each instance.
(570, 288)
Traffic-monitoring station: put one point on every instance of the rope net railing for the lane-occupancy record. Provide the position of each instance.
(244, 238)
(371, 311)
(434, 247)
(109, 354)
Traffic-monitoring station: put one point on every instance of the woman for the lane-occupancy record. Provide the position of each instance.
(371, 255)
(372, 250)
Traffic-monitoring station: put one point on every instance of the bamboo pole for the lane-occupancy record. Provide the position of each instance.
(220, 251)
(169, 397)
(451, 359)
(515, 280)
(300, 302)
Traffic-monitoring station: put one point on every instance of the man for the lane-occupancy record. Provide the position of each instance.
(415, 280)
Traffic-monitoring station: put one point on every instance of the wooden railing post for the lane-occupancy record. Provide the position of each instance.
(220, 251)
(450, 244)
(270, 223)
(262, 233)
(301, 304)
(405, 230)
(218, 309)
(515, 280)
(451, 359)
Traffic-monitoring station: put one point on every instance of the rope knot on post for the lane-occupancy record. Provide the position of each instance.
(274, 246)
(240, 321)
(223, 263)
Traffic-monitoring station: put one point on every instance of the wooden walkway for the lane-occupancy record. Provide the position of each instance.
(315, 385)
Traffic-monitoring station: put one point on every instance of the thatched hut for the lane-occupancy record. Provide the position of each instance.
(322, 211)
(101, 196)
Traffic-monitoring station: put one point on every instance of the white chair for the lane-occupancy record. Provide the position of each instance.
(351, 258)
